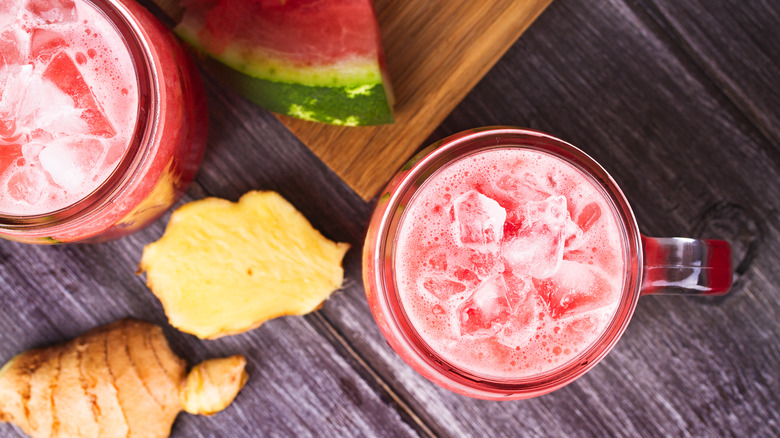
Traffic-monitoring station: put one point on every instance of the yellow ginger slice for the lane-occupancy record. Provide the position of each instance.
(223, 268)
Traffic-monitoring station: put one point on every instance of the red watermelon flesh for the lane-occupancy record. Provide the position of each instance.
(63, 73)
(304, 32)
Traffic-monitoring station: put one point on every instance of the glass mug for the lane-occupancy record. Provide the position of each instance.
(651, 265)
(164, 150)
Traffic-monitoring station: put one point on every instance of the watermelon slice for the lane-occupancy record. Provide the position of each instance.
(319, 60)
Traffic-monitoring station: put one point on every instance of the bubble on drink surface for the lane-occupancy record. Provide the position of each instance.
(53, 11)
(70, 161)
(26, 184)
(45, 43)
(576, 288)
(479, 221)
(536, 247)
(486, 311)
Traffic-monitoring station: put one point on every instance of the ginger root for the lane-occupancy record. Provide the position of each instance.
(223, 268)
(119, 380)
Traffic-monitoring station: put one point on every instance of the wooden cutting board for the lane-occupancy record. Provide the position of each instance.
(437, 51)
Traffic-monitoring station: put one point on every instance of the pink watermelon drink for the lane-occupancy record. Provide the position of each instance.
(503, 263)
(509, 263)
(101, 120)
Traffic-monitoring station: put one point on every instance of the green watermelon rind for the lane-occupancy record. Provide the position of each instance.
(366, 104)
(352, 94)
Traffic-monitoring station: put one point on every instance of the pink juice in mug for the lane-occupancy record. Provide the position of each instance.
(69, 104)
(509, 263)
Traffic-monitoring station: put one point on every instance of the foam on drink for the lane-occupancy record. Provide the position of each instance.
(509, 263)
(68, 105)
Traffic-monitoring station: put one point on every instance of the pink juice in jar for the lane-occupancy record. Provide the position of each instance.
(102, 119)
(69, 105)
(509, 263)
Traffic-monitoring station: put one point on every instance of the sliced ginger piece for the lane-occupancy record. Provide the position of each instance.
(99, 385)
(223, 268)
(212, 385)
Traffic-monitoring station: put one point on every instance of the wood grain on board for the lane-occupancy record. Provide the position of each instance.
(437, 51)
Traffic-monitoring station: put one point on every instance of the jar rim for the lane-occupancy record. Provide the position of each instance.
(380, 243)
(140, 54)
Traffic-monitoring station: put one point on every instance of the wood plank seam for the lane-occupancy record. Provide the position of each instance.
(339, 342)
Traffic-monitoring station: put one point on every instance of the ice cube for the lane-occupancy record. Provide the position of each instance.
(8, 11)
(31, 151)
(575, 289)
(45, 43)
(536, 249)
(11, 44)
(46, 111)
(479, 221)
(521, 324)
(511, 190)
(485, 264)
(71, 160)
(26, 184)
(53, 11)
(16, 79)
(486, 311)
(517, 289)
(443, 288)
(65, 75)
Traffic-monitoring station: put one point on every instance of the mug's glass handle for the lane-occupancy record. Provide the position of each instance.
(682, 266)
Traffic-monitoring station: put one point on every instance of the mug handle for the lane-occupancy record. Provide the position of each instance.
(682, 266)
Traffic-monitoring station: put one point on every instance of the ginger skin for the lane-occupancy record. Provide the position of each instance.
(119, 380)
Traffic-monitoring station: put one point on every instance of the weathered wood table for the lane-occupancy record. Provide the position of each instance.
(680, 101)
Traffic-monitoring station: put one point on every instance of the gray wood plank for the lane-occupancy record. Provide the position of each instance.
(736, 44)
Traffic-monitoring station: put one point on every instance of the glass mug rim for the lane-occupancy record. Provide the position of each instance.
(379, 252)
(142, 139)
